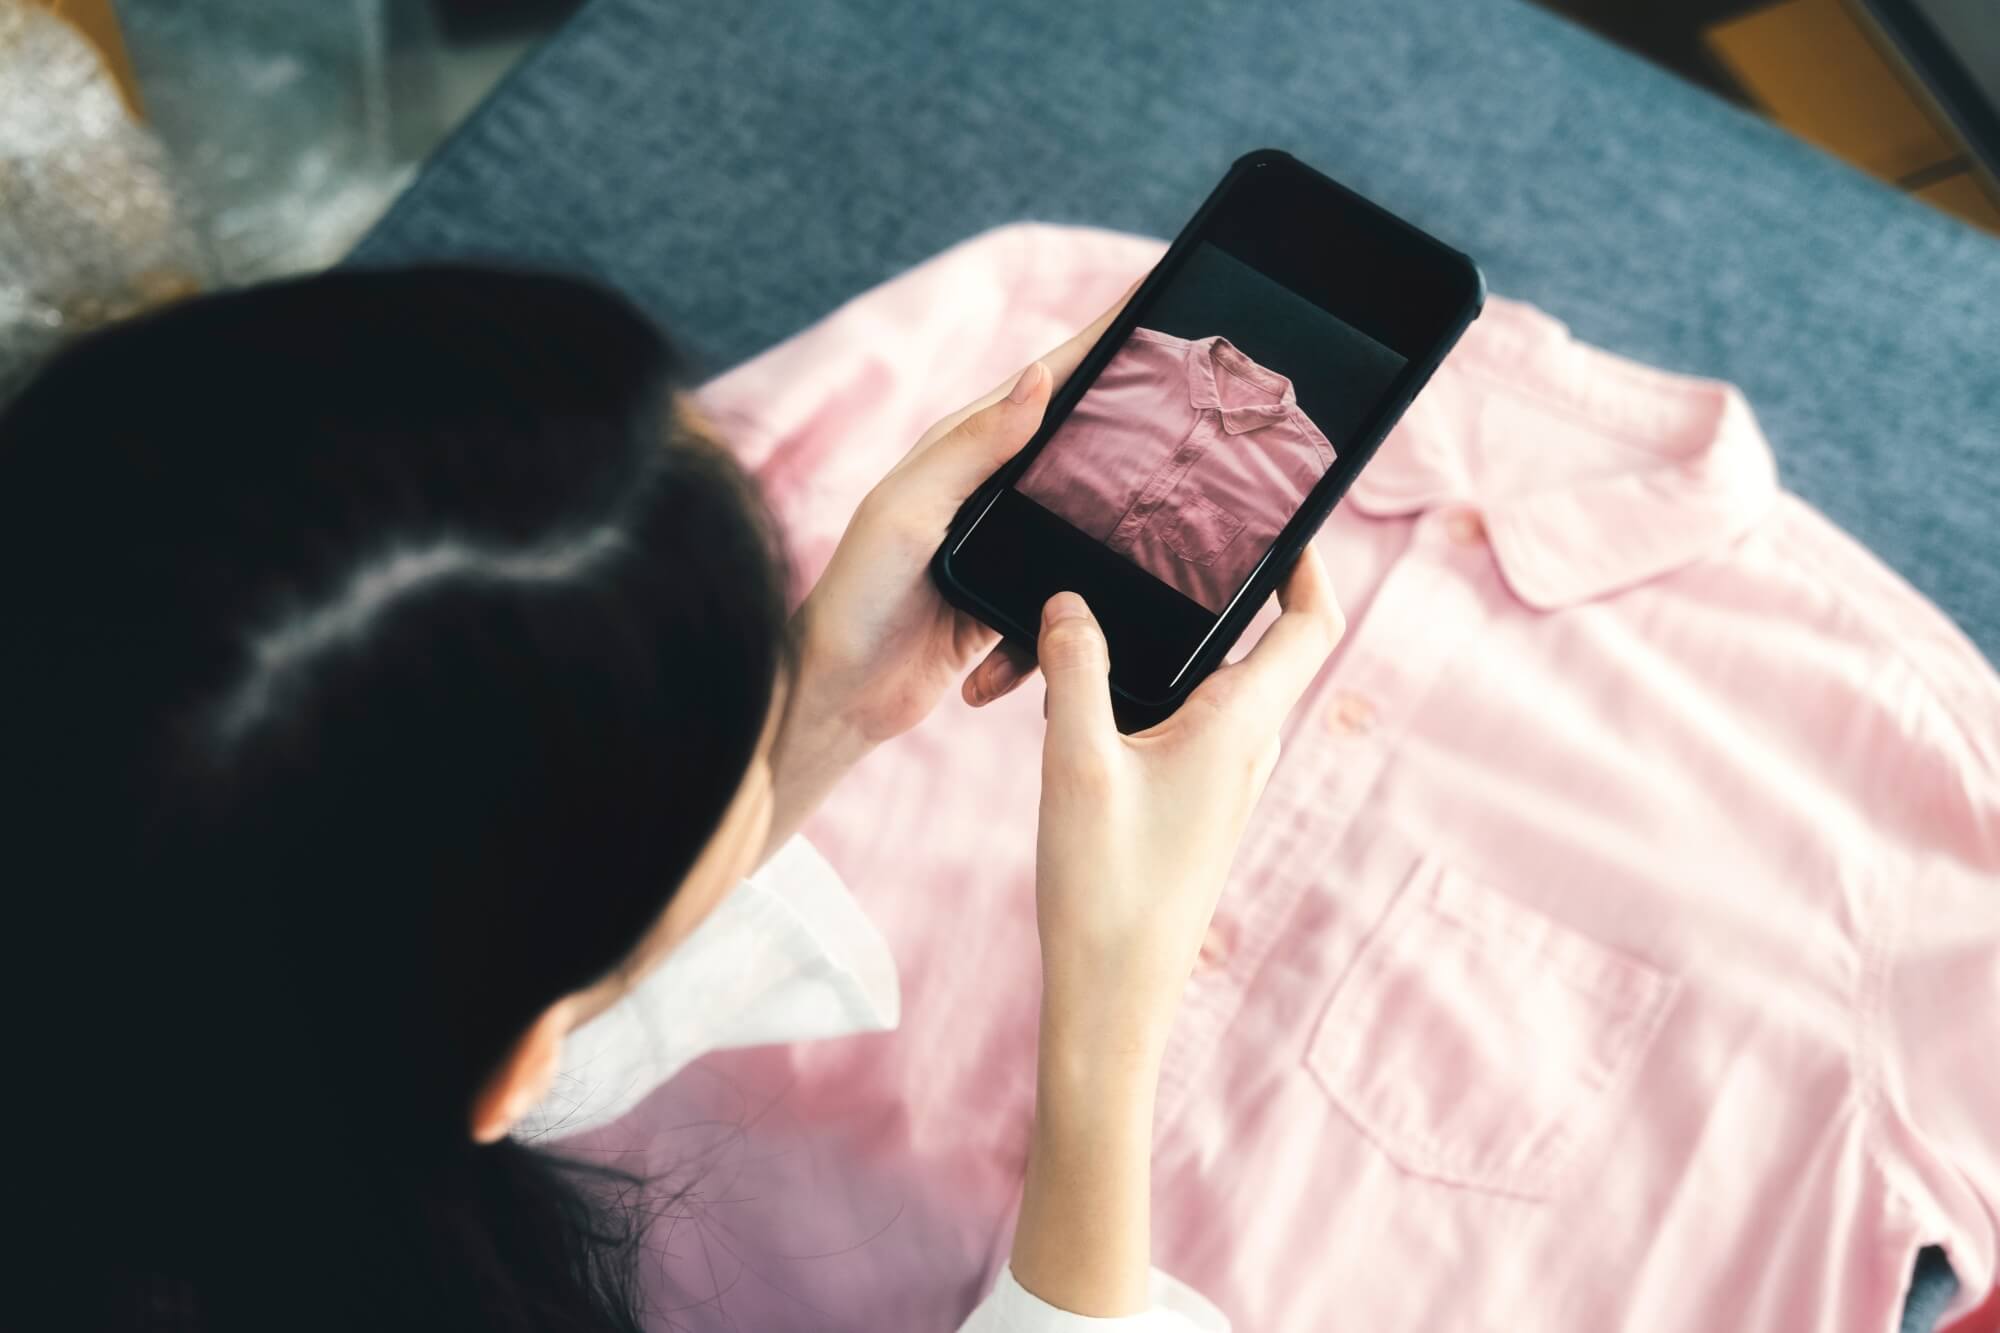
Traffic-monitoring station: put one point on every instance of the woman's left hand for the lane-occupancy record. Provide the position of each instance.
(879, 644)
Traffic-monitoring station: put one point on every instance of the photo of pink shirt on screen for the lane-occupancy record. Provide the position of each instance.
(1186, 457)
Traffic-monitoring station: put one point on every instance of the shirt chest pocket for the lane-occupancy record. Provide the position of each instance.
(1195, 528)
(1477, 1042)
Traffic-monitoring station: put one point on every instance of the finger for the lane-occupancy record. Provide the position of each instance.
(989, 432)
(1263, 687)
(1060, 361)
(973, 449)
(998, 674)
(1064, 359)
(1077, 666)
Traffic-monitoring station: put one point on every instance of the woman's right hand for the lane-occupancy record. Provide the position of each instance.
(1137, 832)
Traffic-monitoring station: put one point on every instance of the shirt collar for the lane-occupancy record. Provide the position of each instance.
(1246, 395)
(1592, 473)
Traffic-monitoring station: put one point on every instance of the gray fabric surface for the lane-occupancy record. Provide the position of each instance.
(743, 168)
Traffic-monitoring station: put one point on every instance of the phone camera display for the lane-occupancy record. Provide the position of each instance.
(1205, 432)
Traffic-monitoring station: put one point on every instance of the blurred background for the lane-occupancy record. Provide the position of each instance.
(151, 147)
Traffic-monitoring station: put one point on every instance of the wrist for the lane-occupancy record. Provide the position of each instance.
(1097, 1054)
(1083, 1239)
(828, 685)
(1100, 1010)
(805, 765)
(817, 732)
(818, 742)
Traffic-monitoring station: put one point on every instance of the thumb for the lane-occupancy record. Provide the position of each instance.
(978, 445)
(1077, 666)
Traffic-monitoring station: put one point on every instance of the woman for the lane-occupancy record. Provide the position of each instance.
(395, 674)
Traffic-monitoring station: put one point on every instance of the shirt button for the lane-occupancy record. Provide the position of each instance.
(1350, 714)
(1214, 949)
(1465, 527)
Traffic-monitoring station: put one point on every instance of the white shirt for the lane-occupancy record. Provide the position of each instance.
(788, 956)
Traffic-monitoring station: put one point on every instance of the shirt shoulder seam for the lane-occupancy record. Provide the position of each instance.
(1804, 538)
(1932, 668)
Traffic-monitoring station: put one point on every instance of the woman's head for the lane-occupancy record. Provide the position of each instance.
(384, 651)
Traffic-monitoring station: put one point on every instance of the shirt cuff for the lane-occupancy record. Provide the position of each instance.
(1172, 1307)
(798, 875)
(787, 955)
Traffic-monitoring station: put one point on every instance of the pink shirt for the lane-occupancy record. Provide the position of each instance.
(1617, 944)
(1185, 457)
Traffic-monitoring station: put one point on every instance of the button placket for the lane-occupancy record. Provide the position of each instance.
(1158, 486)
(1349, 713)
(1216, 945)
(1342, 732)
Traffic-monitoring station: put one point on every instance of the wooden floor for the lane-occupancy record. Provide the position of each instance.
(1667, 32)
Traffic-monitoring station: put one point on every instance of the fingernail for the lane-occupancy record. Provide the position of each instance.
(1064, 606)
(1024, 387)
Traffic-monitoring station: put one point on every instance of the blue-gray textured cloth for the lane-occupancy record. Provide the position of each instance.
(743, 168)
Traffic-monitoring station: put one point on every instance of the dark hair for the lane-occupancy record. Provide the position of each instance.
(380, 651)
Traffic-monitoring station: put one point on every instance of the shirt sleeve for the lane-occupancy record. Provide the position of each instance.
(1937, 1080)
(1173, 1307)
(787, 955)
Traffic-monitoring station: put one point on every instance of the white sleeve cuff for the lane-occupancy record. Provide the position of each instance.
(787, 955)
(1172, 1307)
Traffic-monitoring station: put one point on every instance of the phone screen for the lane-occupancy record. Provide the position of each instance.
(1209, 426)
(1221, 416)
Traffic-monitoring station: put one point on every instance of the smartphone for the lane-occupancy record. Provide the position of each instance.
(1206, 436)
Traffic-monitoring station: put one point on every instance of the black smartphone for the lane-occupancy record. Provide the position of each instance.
(1199, 445)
